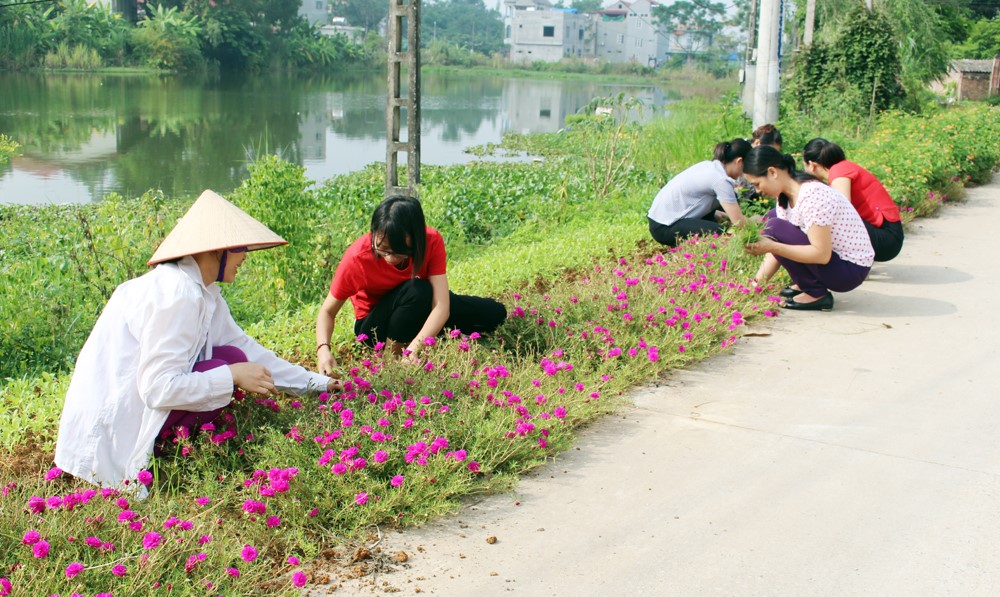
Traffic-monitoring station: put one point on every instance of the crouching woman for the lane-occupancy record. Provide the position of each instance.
(395, 277)
(814, 233)
(166, 353)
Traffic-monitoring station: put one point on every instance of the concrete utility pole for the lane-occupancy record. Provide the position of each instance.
(807, 39)
(400, 10)
(750, 61)
(766, 81)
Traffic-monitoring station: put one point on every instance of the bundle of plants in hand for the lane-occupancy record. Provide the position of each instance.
(739, 237)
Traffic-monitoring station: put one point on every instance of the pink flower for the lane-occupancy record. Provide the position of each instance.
(293, 561)
(151, 540)
(299, 579)
(119, 570)
(235, 573)
(5, 587)
(361, 499)
(397, 480)
(40, 549)
(126, 516)
(36, 504)
(31, 537)
(428, 341)
(473, 466)
(74, 569)
(273, 521)
(203, 501)
(145, 477)
(53, 473)
(204, 539)
(248, 553)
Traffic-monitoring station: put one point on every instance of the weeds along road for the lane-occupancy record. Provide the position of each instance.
(854, 452)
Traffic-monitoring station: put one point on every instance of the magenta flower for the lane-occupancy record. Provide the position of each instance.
(145, 477)
(40, 549)
(234, 572)
(293, 561)
(31, 537)
(299, 579)
(36, 504)
(248, 553)
(74, 569)
(119, 570)
(273, 521)
(5, 587)
(361, 499)
(151, 540)
(204, 539)
(203, 501)
(473, 466)
(126, 516)
(53, 473)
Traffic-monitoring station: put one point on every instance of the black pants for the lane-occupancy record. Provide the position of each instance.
(402, 312)
(683, 228)
(887, 240)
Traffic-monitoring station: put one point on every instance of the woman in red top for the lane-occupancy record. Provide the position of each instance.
(879, 212)
(395, 278)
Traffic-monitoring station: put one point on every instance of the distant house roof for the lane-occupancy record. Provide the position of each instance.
(972, 66)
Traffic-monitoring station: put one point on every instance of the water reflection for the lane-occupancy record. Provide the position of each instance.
(85, 136)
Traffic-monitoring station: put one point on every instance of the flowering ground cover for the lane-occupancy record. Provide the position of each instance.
(239, 507)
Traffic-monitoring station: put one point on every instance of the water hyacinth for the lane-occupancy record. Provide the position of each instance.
(231, 507)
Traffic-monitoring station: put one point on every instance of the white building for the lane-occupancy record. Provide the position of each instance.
(549, 35)
(315, 11)
(628, 32)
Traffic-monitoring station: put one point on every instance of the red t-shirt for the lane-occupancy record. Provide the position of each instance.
(365, 279)
(868, 196)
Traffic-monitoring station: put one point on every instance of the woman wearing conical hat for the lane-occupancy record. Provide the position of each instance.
(166, 354)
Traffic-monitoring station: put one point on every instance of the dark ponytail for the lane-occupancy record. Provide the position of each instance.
(763, 157)
(728, 151)
(823, 152)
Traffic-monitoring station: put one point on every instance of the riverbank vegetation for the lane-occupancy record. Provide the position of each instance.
(277, 488)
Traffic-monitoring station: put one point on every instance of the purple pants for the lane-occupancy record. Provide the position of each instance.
(192, 421)
(813, 278)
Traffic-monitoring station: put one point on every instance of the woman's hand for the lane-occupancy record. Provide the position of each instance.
(334, 385)
(763, 246)
(253, 378)
(325, 361)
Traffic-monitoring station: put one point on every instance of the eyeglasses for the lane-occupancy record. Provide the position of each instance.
(389, 254)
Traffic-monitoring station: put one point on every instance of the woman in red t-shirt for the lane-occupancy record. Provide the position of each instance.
(395, 278)
(879, 212)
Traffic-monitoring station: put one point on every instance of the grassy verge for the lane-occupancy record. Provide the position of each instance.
(253, 504)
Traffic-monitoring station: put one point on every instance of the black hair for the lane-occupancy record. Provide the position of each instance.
(823, 152)
(728, 151)
(767, 134)
(397, 218)
(764, 156)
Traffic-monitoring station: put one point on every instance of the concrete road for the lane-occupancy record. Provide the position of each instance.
(855, 452)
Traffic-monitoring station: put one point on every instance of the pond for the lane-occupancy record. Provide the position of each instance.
(84, 136)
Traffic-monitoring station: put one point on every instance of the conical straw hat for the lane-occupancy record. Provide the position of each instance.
(211, 224)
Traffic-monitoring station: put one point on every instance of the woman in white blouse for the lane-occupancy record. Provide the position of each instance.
(817, 236)
(166, 353)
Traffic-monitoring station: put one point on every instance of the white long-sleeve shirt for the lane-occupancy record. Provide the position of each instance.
(136, 367)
